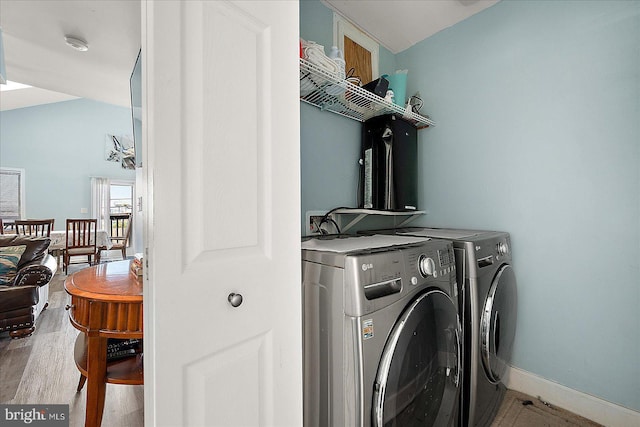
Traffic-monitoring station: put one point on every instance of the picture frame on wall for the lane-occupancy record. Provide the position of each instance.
(128, 153)
(120, 149)
(112, 149)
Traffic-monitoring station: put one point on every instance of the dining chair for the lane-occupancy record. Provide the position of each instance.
(7, 226)
(34, 227)
(120, 230)
(81, 237)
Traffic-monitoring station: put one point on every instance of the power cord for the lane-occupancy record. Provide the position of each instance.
(321, 230)
(416, 102)
(327, 218)
(335, 224)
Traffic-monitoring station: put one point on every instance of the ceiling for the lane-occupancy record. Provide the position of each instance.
(36, 53)
(399, 24)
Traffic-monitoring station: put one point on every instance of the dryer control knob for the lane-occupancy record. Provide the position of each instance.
(503, 248)
(426, 266)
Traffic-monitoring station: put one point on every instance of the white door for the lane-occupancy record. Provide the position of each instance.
(221, 113)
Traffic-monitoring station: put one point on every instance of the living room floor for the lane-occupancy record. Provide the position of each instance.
(40, 370)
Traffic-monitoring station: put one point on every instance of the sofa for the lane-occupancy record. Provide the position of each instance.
(26, 269)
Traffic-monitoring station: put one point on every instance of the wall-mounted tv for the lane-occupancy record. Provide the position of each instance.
(135, 83)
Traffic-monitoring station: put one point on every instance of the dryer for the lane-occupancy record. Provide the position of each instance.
(382, 335)
(489, 297)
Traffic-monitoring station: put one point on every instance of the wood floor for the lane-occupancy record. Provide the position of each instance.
(40, 369)
(521, 410)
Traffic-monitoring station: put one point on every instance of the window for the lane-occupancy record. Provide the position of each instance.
(121, 198)
(110, 197)
(12, 202)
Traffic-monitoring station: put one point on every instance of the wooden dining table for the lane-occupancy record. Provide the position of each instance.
(106, 302)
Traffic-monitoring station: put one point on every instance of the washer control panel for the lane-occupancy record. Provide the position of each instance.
(432, 260)
(427, 267)
(446, 258)
(495, 247)
(375, 279)
(502, 248)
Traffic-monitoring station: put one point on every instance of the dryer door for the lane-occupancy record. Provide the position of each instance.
(498, 324)
(419, 374)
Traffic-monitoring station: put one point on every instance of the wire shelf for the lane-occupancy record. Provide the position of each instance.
(326, 91)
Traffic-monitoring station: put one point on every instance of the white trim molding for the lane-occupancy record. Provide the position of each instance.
(585, 405)
(342, 27)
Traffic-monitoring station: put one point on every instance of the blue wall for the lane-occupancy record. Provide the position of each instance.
(329, 153)
(60, 146)
(537, 110)
(329, 143)
(538, 133)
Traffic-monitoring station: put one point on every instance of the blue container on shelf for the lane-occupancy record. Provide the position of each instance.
(398, 84)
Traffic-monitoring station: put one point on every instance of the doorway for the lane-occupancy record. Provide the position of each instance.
(120, 201)
(121, 197)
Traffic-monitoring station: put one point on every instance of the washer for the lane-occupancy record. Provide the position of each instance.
(382, 335)
(489, 297)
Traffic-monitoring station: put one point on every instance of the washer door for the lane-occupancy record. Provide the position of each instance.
(419, 374)
(498, 324)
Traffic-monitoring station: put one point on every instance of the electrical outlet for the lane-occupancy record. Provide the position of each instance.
(312, 222)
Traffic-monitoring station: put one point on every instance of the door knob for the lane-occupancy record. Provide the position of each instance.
(235, 299)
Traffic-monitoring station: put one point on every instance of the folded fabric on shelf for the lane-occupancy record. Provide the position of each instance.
(314, 53)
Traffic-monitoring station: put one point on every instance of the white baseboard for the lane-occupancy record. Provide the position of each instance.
(585, 405)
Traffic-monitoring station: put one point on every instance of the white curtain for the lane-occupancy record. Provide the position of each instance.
(100, 189)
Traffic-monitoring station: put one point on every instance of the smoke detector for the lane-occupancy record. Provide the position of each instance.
(76, 43)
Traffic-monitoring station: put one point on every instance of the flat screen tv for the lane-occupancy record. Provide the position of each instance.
(135, 83)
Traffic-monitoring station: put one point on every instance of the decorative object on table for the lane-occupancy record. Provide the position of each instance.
(24, 292)
(136, 266)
